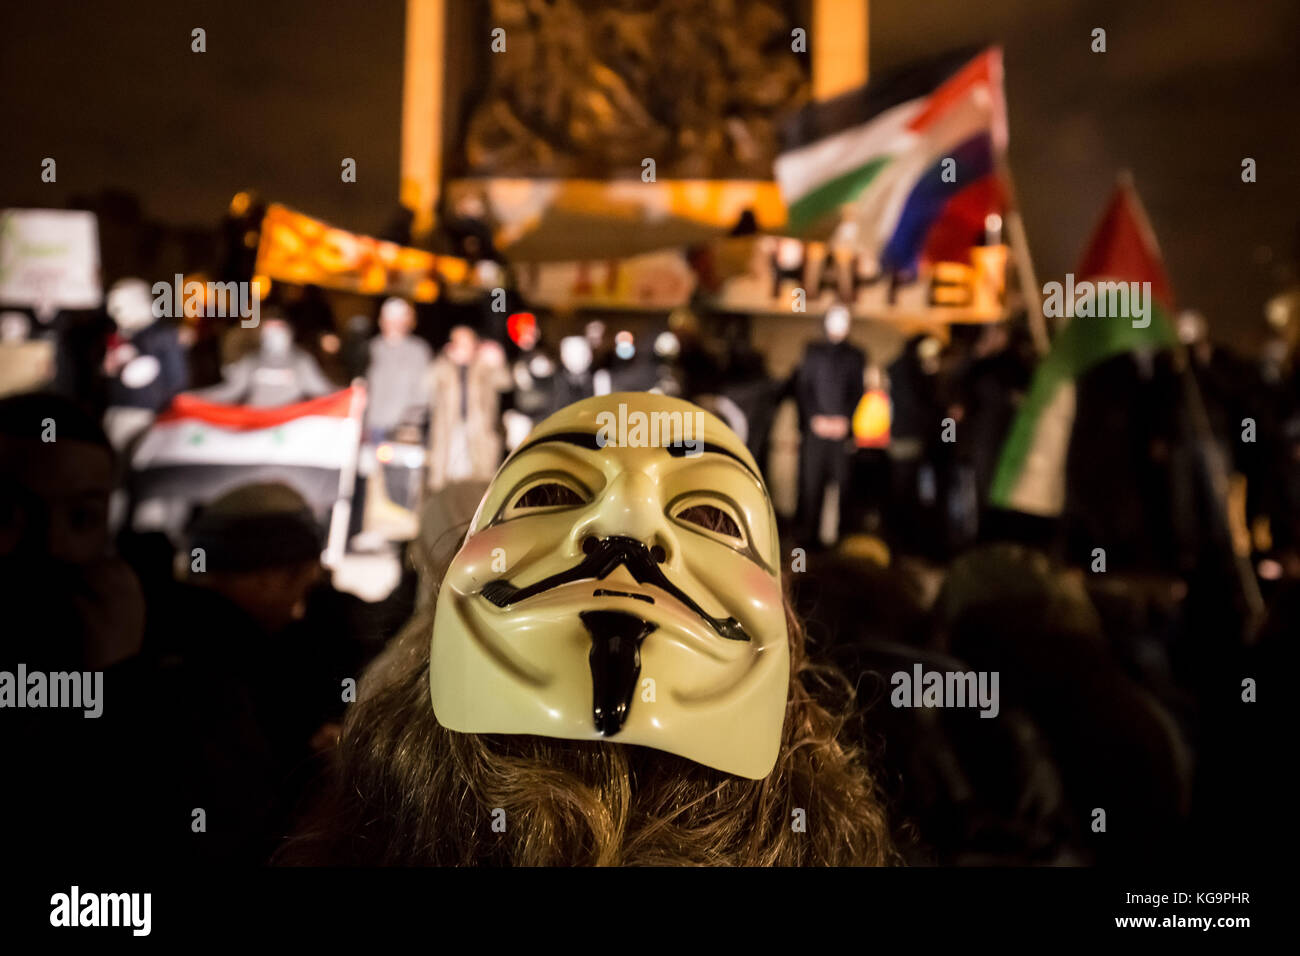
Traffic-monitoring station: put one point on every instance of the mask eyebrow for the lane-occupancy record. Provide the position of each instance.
(588, 441)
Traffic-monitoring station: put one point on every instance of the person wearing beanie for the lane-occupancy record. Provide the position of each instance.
(231, 675)
(258, 546)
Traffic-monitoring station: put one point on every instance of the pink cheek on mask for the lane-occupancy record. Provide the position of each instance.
(758, 587)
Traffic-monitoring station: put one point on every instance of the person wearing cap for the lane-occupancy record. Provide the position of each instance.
(260, 546)
(234, 701)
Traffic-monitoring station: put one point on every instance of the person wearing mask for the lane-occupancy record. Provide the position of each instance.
(574, 379)
(827, 387)
(277, 373)
(630, 370)
(456, 728)
(144, 362)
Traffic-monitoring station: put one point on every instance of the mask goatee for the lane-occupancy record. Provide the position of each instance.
(615, 662)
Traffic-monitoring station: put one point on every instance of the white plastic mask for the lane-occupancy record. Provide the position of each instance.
(615, 585)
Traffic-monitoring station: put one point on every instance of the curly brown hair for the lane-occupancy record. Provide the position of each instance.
(408, 791)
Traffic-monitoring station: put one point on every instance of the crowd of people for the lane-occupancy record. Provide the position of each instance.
(226, 684)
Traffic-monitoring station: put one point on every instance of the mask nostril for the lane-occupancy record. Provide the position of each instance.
(659, 554)
(589, 544)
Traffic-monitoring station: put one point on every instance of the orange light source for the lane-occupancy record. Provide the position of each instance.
(384, 453)
(871, 419)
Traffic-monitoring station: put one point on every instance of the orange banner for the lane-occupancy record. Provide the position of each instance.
(299, 249)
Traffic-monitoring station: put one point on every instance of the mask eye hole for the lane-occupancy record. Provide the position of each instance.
(548, 494)
(710, 518)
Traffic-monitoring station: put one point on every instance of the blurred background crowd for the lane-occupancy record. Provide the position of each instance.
(1121, 685)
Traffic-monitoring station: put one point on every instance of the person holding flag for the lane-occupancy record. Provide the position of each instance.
(278, 373)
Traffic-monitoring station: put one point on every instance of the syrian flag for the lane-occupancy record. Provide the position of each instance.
(877, 157)
(197, 450)
(1031, 470)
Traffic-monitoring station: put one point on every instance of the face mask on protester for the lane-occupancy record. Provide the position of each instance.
(276, 340)
(129, 304)
(837, 323)
(621, 582)
(575, 354)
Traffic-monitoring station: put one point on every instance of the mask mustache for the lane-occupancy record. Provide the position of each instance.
(604, 556)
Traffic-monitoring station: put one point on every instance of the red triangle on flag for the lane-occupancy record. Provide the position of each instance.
(1123, 246)
(983, 73)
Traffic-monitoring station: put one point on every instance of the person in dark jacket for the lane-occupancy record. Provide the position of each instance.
(144, 362)
(827, 386)
(914, 390)
(249, 695)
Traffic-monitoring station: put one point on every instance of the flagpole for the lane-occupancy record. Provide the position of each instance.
(1030, 290)
(341, 514)
(1210, 456)
(1216, 472)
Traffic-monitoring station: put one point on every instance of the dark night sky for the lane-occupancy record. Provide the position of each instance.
(285, 91)
(288, 88)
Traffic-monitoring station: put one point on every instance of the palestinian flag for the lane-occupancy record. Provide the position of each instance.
(197, 450)
(875, 156)
(1031, 470)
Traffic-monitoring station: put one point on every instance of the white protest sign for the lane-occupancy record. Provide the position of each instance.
(49, 259)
